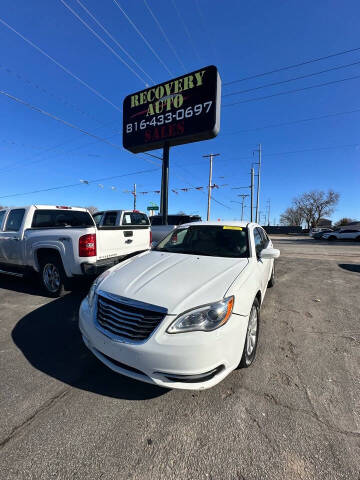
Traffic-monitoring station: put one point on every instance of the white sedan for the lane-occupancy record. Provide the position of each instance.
(186, 313)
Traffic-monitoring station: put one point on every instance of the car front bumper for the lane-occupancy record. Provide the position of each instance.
(191, 360)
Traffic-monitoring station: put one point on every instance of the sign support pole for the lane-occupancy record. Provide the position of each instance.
(165, 184)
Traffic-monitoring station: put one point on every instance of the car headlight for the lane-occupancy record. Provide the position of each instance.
(94, 286)
(205, 318)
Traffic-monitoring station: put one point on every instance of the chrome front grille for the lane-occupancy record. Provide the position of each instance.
(127, 319)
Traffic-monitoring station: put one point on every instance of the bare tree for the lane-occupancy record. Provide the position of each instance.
(310, 207)
(291, 217)
(315, 205)
(92, 209)
(343, 221)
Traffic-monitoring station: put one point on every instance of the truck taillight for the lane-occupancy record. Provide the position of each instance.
(87, 245)
(150, 238)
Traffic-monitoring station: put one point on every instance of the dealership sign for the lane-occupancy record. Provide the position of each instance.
(183, 110)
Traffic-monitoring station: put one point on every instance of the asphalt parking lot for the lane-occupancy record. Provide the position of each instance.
(295, 414)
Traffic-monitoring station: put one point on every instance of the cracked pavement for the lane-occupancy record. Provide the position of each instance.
(295, 414)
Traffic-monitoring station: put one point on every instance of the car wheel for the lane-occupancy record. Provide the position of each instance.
(252, 336)
(357, 239)
(271, 281)
(53, 277)
(332, 238)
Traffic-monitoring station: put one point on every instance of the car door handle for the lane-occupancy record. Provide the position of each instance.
(128, 241)
(16, 239)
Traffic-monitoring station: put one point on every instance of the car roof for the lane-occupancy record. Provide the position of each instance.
(229, 223)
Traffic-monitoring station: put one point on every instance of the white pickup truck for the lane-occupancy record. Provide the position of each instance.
(62, 242)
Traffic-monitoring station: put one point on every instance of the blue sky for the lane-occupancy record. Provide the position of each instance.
(242, 39)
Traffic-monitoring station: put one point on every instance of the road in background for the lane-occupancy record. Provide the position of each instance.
(293, 415)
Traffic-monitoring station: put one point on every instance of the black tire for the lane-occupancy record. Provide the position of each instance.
(271, 281)
(332, 238)
(248, 356)
(357, 239)
(52, 276)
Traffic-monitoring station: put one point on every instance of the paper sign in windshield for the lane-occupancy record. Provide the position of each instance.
(232, 228)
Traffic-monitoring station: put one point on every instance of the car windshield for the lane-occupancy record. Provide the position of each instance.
(214, 241)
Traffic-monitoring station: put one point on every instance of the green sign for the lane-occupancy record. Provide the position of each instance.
(153, 207)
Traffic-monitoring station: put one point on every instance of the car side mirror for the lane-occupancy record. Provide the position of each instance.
(269, 253)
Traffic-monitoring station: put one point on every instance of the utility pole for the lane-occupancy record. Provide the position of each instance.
(211, 156)
(134, 193)
(258, 184)
(243, 196)
(252, 173)
(269, 203)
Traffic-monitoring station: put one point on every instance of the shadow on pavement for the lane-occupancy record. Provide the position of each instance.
(21, 285)
(50, 340)
(351, 267)
(31, 285)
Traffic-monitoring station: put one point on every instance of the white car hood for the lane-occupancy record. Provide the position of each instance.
(174, 281)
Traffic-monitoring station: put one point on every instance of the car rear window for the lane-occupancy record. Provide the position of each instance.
(110, 219)
(61, 219)
(156, 220)
(135, 218)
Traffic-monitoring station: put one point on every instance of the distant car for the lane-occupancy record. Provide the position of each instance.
(315, 230)
(186, 313)
(159, 230)
(319, 235)
(343, 234)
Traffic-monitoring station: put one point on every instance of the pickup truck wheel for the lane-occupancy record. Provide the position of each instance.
(53, 277)
(252, 336)
(271, 281)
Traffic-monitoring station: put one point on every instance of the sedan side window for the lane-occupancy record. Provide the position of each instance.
(2, 216)
(258, 241)
(264, 237)
(14, 220)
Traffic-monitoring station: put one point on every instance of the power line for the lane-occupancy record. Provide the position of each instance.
(281, 69)
(63, 100)
(188, 34)
(71, 125)
(294, 122)
(93, 90)
(312, 149)
(15, 165)
(291, 79)
(114, 40)
(103, 42)
(79, 184)
(205, 29)
(172, 48)
(213, 198)
(316, 149)
(142, 37)
(291, 91)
